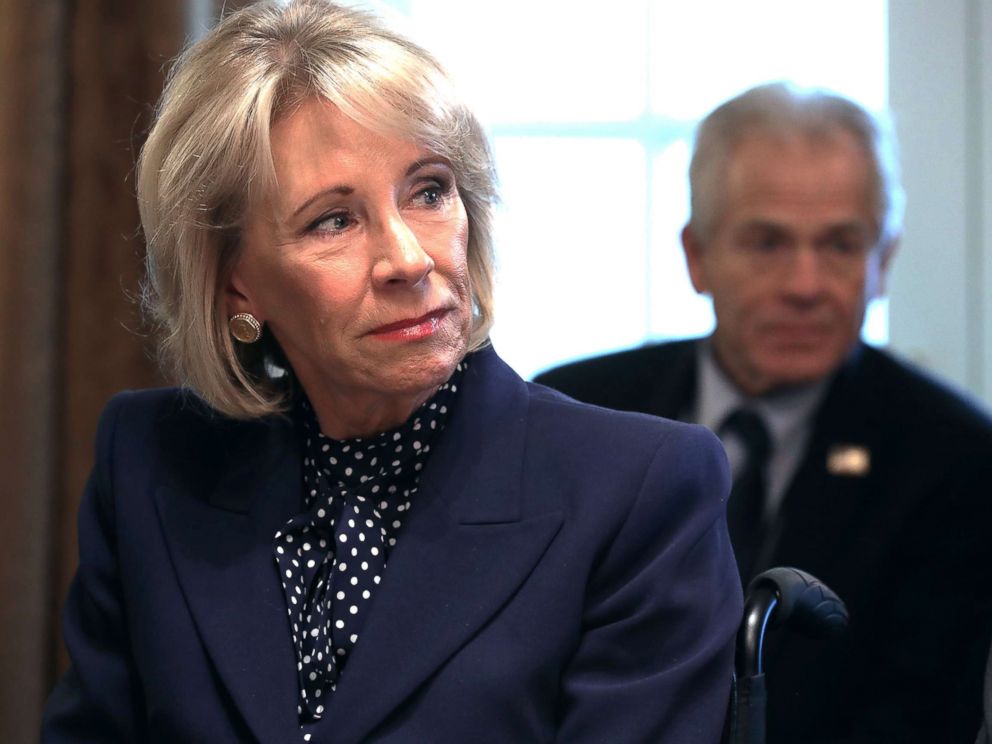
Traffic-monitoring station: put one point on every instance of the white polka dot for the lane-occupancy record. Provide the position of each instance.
(339, 624)
(343, 537)
(311, 563)
(354, 637)
(340, 595)
(353, 609)
(354, 580)
(366, 594)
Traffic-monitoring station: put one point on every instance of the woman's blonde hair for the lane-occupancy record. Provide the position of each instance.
(208, 156)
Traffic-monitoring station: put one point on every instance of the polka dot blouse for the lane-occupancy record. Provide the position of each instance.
(331, 558)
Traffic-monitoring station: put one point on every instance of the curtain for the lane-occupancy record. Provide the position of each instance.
(78, 80)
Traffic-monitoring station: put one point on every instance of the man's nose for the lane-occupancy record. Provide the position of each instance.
(803, 275)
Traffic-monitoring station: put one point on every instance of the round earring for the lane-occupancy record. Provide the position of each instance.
(245, 327)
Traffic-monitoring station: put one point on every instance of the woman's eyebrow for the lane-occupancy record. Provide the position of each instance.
(339, 190)
(431, 160)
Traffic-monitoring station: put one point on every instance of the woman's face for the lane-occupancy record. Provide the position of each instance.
(357, 263)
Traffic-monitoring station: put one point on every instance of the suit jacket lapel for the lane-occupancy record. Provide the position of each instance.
(820, 511)
(220, 539)
(461, 555)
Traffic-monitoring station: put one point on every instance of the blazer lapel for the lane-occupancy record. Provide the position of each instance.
(220, 539)
(462, 554)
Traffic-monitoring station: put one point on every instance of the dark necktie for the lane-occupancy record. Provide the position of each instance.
(745, 512)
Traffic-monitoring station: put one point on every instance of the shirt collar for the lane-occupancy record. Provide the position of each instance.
(785, 412)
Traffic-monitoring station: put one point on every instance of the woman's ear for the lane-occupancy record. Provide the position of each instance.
(237, 297)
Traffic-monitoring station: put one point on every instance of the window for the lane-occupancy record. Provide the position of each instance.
(591, 110)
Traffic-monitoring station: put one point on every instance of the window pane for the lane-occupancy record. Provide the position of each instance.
(705, 51)
(547, 61)
(676, 310)
(571, 253)
(585, 104)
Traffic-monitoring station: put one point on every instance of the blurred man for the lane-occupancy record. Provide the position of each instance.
(847, 463)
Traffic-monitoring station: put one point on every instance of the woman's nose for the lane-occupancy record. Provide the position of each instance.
(402, 260)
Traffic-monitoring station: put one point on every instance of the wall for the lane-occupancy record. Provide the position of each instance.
(940, 69)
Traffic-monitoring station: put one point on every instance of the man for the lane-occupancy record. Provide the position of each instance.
(848, 463)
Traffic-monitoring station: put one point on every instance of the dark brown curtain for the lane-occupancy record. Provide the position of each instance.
(77, 84)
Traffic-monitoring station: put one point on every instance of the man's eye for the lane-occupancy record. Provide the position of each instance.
(766, 243)
(844, 246)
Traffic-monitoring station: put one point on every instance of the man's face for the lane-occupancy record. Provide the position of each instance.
(792, 259)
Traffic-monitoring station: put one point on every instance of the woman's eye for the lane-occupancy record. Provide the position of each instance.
(431, 195)
(331, 223)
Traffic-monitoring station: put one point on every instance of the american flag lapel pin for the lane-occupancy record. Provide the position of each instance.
(849, 460)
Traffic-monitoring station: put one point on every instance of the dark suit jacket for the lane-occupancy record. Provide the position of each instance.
(906, 546)
(565, 573)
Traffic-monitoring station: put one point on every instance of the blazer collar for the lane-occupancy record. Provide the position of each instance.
(463, 552)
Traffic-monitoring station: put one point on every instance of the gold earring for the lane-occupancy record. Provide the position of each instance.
(245, 327)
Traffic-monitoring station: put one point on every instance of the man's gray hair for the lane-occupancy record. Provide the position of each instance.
(782, 110)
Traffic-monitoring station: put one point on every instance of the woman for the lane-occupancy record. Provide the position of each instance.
(316, 202)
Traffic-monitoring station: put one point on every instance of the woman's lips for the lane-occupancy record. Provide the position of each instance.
(411, 328)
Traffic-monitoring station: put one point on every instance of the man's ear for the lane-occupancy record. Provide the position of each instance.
(692, 246)
(886, 251)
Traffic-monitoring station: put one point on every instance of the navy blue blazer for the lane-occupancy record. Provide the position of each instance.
(565, 574)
